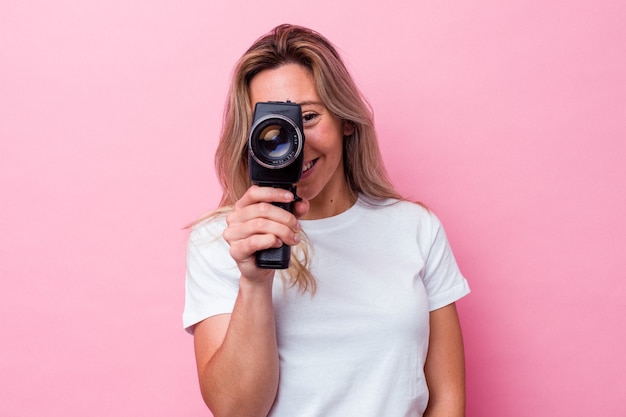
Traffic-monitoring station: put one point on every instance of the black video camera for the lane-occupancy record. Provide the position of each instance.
(275, 157)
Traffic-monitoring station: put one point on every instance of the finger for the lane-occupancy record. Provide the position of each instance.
(244, 249)
(256, 194)
(288, 233)
(266, 211)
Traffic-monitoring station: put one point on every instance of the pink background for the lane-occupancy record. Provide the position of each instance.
(507, 118)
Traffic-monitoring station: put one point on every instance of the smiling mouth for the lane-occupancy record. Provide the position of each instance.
(308, 165)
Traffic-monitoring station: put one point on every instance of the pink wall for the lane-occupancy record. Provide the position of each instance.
(507, 118)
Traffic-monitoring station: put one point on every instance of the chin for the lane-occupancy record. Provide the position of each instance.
(305, 192)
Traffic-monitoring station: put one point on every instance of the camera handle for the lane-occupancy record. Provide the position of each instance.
(278, 258)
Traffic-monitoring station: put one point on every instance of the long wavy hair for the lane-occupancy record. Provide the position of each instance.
(363, 164)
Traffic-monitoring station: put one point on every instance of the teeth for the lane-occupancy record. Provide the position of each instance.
(307, 166)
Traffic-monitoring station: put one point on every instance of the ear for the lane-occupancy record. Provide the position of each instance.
(348, 128)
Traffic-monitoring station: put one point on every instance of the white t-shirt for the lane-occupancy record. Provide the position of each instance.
(358, 346)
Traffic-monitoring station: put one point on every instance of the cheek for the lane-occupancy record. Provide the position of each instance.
(330, 138)
(325, 138)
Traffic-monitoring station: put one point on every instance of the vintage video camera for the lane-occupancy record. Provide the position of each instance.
(275, 156)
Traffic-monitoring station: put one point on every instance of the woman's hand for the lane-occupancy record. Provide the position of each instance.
(256, 224)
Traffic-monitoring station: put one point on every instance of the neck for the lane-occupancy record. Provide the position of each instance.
(323, 205)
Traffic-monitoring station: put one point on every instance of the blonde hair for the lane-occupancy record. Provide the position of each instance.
(363, 164)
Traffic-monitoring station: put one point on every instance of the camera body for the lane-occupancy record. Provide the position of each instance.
(275, 158)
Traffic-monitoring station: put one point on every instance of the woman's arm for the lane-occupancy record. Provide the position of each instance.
(445, 365)
(237, 354)
(237, 357)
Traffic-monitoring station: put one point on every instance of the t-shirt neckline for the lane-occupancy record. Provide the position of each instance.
(341, 219)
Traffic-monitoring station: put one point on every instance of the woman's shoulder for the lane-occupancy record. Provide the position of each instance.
(208, 227)
(395, 205)
(402, 214)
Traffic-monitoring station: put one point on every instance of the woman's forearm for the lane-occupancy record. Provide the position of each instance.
(241, 377)
(445, 365)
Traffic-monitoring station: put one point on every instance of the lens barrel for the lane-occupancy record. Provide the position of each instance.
(275, 141)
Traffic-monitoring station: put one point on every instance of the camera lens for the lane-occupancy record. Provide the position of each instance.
(275, 141)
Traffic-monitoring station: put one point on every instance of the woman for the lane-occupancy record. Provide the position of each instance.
(364, 322)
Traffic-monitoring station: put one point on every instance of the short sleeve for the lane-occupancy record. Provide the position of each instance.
(212, 276)
(442, 277)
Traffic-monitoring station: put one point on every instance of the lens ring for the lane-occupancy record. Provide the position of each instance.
(275, 141)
